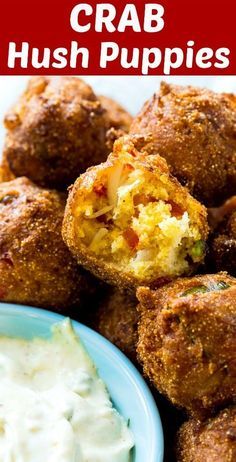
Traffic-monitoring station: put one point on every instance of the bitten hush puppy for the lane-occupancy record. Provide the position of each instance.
(194, 129)
(55, 131)
(36, 267)
(187, 341)
(211, 441)
(117, 320)
(131, 223)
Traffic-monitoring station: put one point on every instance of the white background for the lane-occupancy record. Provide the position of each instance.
(130, 91)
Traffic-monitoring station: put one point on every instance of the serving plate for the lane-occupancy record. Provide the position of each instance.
(128, 390)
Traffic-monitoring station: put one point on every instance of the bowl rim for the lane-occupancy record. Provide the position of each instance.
(141, 387)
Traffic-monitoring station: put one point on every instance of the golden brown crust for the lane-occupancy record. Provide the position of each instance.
(36, 267)
(211, 441)
(117, 117)
(222, 246)
(55, 131)
(84, 185)
(118, 120)
(5, 172)
(187, 341)
(194, 130)
(117, 320)
(217, 215)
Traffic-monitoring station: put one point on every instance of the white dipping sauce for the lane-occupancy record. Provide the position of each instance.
(53, 405)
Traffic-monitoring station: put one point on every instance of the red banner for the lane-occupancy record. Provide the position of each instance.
(170, 37)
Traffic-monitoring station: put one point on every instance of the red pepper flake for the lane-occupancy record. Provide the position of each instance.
(143, 199)
(100, 189)
(131, 238)
(128, 168)
(176, 209)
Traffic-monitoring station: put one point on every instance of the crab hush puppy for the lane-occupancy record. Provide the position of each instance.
(211, 441)
(36, 267)
(118, 120)
(5, 172)
(130, 222)
(116, 116)
(55, 131)
(194, 129)
(222, 248)
(117, 320)
(187, 341)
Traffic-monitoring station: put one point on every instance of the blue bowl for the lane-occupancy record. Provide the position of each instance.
(129, 392)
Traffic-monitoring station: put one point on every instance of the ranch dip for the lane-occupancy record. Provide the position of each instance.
(53, 405)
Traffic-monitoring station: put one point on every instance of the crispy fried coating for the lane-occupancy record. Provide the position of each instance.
(194, 129)
(211, 441)
(130, 222)
(222, 246)
(36, 267)
(117, 117)
(117, 320)
(55, 131)
(187, 341)
(118, 120)
(5, 172)
(217, 215)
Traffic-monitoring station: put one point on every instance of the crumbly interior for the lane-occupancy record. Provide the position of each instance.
(135, 221)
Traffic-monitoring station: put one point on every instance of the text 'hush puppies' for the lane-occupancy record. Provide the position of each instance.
(130, 222)
(36, 267)
(187, 341)
(210, 441)
(194, 129)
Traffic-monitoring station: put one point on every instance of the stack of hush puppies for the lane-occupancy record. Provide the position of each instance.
(155, 222)
(57, 129)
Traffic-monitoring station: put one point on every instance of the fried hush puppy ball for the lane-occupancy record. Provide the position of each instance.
(222, 248)
(194, 129)
(211, 441)
(55, 131)
(117, 320)
(118, 120)
(216, 215)
(130, 223)
(36, 267)
(187, 341)
(5, 172)
(117, 117)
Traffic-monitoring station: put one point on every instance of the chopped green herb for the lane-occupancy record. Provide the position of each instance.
(198, 249)
(221, 285)
(195, 290)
